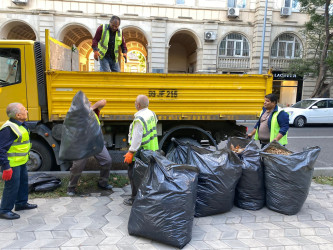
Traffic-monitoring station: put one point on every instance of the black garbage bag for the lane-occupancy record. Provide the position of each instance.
(81, 133)
(250, 190)
(219, 174)
(179, 151)
(163, 208)
(287, 177)
(139, 171)
(41, 182)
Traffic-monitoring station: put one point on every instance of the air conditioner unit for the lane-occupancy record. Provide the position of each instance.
(285, 11)
(233, 12)
(210, 35)
(20, 2)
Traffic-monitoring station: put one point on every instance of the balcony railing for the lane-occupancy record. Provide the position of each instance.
(280, 63)
(233, 62)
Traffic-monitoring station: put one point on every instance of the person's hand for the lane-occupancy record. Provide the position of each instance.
(128, 157)
(7, 174)
(125, 57)
(96, 55)
(249, 136)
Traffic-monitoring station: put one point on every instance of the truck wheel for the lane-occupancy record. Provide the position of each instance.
(41, 157)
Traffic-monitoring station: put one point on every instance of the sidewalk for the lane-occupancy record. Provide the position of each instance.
(89, 223)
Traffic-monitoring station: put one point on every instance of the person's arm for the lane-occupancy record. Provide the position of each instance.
(97, 38)
(283, 120)
(99, 104)
(254, 130)
(7, 138)
(136, 137)
(135, 143)
(123, 45)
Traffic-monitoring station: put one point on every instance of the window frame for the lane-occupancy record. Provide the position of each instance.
(241, 4)
(242, 42)
(18, 57)
(278, 42)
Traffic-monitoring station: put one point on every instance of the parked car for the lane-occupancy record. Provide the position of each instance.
(310, 111)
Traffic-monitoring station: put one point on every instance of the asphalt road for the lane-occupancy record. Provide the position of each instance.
(309, 136)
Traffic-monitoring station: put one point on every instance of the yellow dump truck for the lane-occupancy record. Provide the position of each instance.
(201, 108)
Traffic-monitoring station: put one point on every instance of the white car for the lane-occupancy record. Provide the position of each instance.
(313, 110)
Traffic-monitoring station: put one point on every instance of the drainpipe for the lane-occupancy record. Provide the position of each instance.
(263, 40)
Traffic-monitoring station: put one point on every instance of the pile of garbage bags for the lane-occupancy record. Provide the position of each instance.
(192, 181)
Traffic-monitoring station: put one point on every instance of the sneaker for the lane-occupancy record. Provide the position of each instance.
(128, 201)
(71, 192)
(107, 187)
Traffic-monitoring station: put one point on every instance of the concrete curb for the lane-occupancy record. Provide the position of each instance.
(317, 172)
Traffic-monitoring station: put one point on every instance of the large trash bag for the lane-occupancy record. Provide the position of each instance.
(139, 171)
(41, 182)
(287, 177)
(250, 190)
(163, 208)
(219, 174)
(179, 151)
(81, 133)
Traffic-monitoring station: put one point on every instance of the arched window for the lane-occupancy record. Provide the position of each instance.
(287, 46)
(235, 45)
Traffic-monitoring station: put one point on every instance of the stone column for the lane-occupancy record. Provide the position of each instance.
(46, 21)
(209, 50)
(158, 55)
(257, 36)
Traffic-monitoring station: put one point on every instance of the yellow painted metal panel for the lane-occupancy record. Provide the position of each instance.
(172, 96)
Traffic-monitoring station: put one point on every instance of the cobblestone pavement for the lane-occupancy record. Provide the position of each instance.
(101, 223)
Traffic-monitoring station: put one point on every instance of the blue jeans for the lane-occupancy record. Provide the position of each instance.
(109, 65)
(16, 189)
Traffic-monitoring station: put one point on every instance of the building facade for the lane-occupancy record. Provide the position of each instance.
(176, 36)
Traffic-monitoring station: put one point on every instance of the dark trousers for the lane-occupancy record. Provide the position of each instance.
(130, 177)
(104, 160)
(16, 189)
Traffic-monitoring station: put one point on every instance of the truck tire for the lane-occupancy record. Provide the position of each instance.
(41, 157)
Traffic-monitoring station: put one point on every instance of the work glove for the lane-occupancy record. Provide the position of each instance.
(7, 174)
(96, 55)
(128, 157)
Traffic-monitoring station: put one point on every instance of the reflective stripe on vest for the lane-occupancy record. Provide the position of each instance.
(274, 129)
(149, 138)
(104, 42)
(18, 153)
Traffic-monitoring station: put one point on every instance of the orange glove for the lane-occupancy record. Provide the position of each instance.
(128, 157)
(7, 174)
(96, 55)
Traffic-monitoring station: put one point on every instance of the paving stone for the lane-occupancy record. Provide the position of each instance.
(110, 240)
(114, 247)
(43, 235)
(61, 234)
(77, 233)
(290, 232)
(93, 241)
(8, 236)
(323, 231)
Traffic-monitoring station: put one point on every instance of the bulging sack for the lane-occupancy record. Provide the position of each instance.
(287, 177)
(219, 172)
(81, 133)
(41, 182)
(250, 190)
(163, 208)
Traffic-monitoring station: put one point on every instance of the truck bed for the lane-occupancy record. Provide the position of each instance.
(172, 96)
